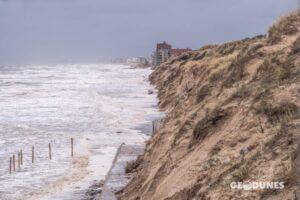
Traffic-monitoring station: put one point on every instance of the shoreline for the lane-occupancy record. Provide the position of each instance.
(117, 178)
(106, 189)
(125, 155)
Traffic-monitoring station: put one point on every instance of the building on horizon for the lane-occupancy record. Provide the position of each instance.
(164, 51)
(138, 60)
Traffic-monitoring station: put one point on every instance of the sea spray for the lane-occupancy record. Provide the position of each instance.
(98, 105)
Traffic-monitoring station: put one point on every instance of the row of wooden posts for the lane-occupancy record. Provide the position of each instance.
(12, 160)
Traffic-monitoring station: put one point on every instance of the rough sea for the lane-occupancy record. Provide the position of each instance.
(99, 105)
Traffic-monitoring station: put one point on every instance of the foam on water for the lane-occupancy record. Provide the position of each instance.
(98, 105)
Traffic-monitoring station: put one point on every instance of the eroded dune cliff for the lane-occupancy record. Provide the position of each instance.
(231, 115)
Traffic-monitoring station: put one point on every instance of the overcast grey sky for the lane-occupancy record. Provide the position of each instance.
(53, 31)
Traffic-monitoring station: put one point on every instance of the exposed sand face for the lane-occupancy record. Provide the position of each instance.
(232, 115)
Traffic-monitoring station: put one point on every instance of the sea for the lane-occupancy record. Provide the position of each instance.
(100, 106)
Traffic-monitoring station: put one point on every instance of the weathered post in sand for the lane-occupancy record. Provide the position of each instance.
(153, 127)
(10, 163)
(14, 163)
(50, 151)
(72, 144)
(21, 152)
(19, 161)
(32, 154)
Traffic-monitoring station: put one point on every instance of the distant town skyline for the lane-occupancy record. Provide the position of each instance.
(61, 31)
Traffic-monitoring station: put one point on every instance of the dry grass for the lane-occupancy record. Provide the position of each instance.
(186, 125)
(241, 173)
(279, 133)
(227, 48)
(277, 113)
(206, 47)
(203, 92)
(209, 123)
(237, 68)
(296, 46)
(184, 56)
(216, 76)
(133, 165)
(274, 71)
(199, 56)
(217, 148)
(242, 92)
(286, 25)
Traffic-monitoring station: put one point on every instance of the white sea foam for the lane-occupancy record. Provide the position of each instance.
(98, 105)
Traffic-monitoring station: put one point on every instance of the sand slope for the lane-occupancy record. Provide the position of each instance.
(232, 115)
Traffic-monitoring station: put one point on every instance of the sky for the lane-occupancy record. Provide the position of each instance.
(83, 31)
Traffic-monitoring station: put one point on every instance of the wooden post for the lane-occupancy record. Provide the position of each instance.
(152, 127)
(72, 144)
(10, 163)
(14, 163)
(19, 160)
(21, 152)
(32, 154)
(50, 151)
